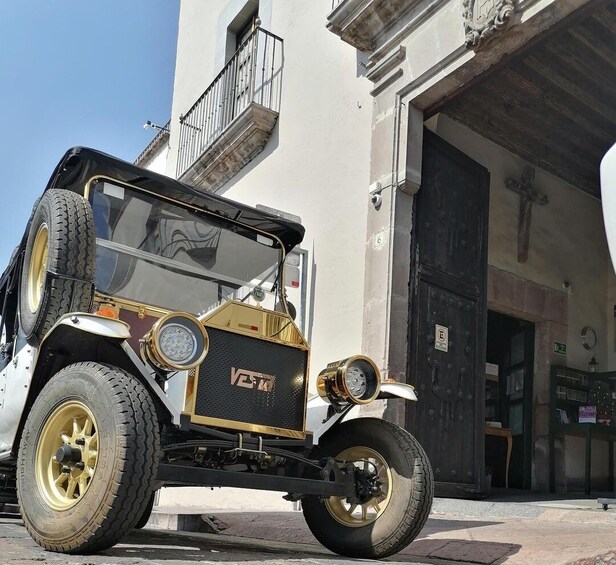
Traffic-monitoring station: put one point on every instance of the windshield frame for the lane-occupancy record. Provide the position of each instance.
(279, 279)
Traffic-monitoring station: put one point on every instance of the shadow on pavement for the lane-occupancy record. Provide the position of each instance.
(156, 545)
(467, 551)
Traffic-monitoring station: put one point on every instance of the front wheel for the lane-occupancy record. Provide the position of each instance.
(394, 494)
(88, 459)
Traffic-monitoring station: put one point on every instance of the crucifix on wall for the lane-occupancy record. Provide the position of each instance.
(525, 187)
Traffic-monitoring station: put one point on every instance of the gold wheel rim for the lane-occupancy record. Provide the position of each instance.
(38, 268)
(355, 514)
(63, 485)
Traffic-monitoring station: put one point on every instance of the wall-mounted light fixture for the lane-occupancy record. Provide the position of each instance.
(150, 125)
(593, 365)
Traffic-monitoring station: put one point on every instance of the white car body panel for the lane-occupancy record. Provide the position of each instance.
(608, 199)
(91, 323)
(14, 386)
(317, 409)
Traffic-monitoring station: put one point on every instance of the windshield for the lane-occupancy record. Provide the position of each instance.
(155, 252)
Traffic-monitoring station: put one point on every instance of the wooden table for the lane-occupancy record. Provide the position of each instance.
(505, 433)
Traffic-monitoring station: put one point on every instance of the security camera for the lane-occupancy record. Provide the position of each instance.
(376, 200)
(566, 286)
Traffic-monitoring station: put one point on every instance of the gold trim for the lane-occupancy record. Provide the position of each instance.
(245, 426)
(152, 351)
(332, 385)
(62, 485)
(190, 390)
(131, 305)
(222, 319)
(276, 327)
(37, 270)
(343, 511)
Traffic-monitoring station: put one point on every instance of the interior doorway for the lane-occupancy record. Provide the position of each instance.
(508, 399)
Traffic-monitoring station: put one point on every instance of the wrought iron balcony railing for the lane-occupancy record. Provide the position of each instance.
(252, 76)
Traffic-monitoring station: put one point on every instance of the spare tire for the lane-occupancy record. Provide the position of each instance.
(59, 262)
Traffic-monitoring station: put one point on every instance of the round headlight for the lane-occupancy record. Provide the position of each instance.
(355, 380)
(176, 341)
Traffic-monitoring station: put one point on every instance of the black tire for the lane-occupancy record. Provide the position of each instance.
(71, 253)
(406, 512)
(142, 522)
(128, 452)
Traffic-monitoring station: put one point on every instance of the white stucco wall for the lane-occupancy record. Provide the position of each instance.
(316, 163)
(158, 161)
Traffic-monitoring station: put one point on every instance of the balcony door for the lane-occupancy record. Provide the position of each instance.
(241, 77)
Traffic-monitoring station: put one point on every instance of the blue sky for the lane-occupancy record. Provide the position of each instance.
(77, 72)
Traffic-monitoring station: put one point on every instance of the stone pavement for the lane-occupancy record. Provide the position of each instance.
(151, 547)
(548, 532)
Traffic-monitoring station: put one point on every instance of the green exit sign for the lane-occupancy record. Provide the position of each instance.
(560, 348)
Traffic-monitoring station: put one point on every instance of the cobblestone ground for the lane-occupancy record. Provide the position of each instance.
(155, 547)
(606, 559)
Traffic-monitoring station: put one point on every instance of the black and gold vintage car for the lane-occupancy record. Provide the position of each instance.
(147, 341)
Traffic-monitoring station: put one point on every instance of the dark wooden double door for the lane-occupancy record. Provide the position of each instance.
(447, 338)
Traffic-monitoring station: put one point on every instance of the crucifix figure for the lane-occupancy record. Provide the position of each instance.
(528, 196)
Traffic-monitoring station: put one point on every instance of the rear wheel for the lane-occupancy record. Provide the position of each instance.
(394, 493)
(88, 459)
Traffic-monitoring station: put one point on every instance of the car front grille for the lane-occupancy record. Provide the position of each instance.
(252, 384)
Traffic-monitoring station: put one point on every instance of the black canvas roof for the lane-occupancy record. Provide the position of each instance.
(79, 164)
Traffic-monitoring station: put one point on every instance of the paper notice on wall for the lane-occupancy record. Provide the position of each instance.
(441, 338)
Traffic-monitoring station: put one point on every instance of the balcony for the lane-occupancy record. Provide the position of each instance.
(232, 120)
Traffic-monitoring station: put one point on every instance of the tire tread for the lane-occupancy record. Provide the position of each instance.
(134, 473)
(72, 253)
(418, 506)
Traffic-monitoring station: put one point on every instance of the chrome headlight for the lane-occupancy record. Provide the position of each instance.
(354, 380)
(176, 341)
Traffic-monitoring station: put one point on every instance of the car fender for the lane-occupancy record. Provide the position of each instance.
(91, 338)
(93, 328)
(320, 420)
(92, 324)
(397, 390)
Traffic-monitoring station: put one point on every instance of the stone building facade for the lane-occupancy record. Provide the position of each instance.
(444, 158)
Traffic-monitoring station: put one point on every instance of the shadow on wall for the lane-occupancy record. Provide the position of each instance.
(269, 149)
(362, 64)
(273, 141)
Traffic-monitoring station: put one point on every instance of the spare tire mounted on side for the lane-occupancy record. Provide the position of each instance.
(59, 262)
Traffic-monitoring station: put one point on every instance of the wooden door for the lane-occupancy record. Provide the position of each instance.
(448, 312)
(517, 383)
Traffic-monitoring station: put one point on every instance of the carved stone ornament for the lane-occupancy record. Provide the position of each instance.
(483, 18)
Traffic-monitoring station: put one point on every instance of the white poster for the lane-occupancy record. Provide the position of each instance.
(441, 338)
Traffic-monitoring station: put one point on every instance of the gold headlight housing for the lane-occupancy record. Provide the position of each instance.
(177, 341)
(355, 380)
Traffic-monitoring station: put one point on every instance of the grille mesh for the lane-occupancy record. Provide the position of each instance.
(217, 397)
